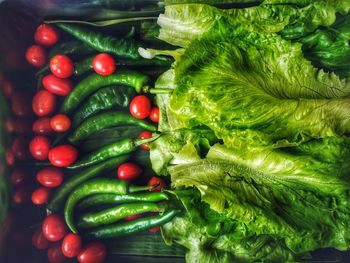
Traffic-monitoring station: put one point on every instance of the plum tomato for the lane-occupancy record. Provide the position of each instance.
(46, 35)
(140, 107)
(157, 182)
(41, 196)
(57, 86)
(39, 147)
(63, 155)
(71, 245)
(42, 126)
(22, 194)
(104, 64)
(36, 56)
(145, 135)
(94, 252)
(50, 177)
(60, 123)
(54, 228)
(61, 66)
(55, 255)
(44, 103)
(154, 114)
(38, 239)
(21, 176)
(129, 171)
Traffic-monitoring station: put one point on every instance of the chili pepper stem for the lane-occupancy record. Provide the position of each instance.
(136, 188)
(149, 89)
(145, 141)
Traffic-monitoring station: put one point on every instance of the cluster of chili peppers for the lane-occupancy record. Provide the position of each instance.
(90, 102)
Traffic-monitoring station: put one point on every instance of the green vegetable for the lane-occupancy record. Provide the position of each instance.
(71, 48)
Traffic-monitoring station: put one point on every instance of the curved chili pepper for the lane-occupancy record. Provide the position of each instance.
(96, 186)
(131, 227)
(71, 48)
(106, 120)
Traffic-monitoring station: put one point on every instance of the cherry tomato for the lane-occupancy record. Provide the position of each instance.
(71, 245)
(36, 56)
(38, 239)
(63, 155)
(7, 88)
(19, 125)
(94, 252)
(20, 104)
(60, 123)
(129, 171)
(10, 157)
(42, 126)
(61, 66)
(140, 107)
(154, 114)
(133, 217)
(22, 194)
(55, 255)
(50, 177)
(145, 135)
(20, 148)
(157, 182)
(54, 228)
(21, 176)
(154, 229)
(57, 86)
(104, 64)
(39, 147)
(44, 103)
(46, 35)
(41, 196)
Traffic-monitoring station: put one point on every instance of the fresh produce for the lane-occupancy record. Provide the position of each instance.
(36, 56)
(61, 66)
(60, 123)
(38, 239)
(93, 252)
(44, 103)
(71, 245)
(42, 126)
(55, 255)
(57, 86)
(54, 228)
(39, 147)
(21, 176)
(46, 35)
(157, 183)
(140, 107)
(104, 64)
(129, 171)
(154, 114)
(145, 135)
(41, 195)
(63, 155)
(50, 177)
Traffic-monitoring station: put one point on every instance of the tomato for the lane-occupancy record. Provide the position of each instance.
(71, 245)
(157, 182)
(104, 64)
(61, 66)
(129, 171)
(42, 126)
(39, 147)
(60, 123)
(41, 196)
(50, 177)
(46, 35)
(55, 255)
(145, 135)
(20, 104)
(20, 148)
(154, 114)
(133, 217)
(38, 239)
(154, 229)
(44, 103)
(21, 176)
(57, 86)
(140, 107)
(7, 88)
(10, 157)
(22, 194)
(19, 125)
(63, 155)
(36, 56)
(94, 252)
(54, 228)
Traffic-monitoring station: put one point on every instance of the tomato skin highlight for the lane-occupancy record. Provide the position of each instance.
(46, 35)
(41, 196)
(71, 245)
(39, 147)
(94, 252)
(61, 66)
(145, 135)
(154, 114)
(54, 228)
(36, 56)
(129, 171)
(44, 103)
(157, 182)
(63, 155)
(104, 64)
(21, 176)
(57, 86)
(55, 255)
(140, 107)
(42, 126)
(60, 123)
(50, 177)
(38, 239)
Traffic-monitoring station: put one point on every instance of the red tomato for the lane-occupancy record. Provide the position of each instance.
(21, 176)
(154, 114)
(22, 194)
(94, 252)
(104, 64)
(62, 66)
(7, 88)
(55, 255)
(145, 135)
(63, 155)
(50, 177)
(60, 123)
(46, 35)
(41, 196)
(38, 239)
(71, 245)
(58, 86)
(129, 171)
(39, 147)
(36, 56)
(20, 148)
(44, 103)
(10, 157)
(42, 126)
(157, 182)
(54, 228)
(140, 107)
(19, 125)
(133, 217)
(154, 229)
(20, 104)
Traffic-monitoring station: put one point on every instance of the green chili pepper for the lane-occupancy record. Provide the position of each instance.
(96, 186)
(67, 187)
(94, 82)
(131, 227)
(71, 48)
(106, 120)
(114, 214)
(118, 148)
(105, 199)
